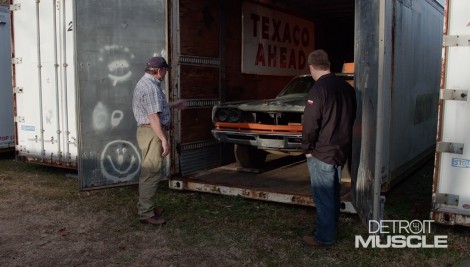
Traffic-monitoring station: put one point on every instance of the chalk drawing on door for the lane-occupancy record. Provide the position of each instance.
(119, 68)
(120, 161)
(102, 121)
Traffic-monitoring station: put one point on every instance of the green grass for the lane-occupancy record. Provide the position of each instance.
(207, 229)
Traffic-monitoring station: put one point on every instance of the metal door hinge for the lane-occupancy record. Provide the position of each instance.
(17, 60)
(456, 40)
(19, 119)
(447, 147)
(15, 7)
(451, 94)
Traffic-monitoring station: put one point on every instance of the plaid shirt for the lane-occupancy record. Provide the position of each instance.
(149, 98)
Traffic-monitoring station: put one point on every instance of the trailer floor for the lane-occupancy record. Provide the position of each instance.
(283, 179)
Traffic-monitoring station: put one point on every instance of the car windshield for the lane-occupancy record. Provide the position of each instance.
(300, 85)
(297, 86)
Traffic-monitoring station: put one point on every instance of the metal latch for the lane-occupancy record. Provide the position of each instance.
(176, 184)
(456, 40)
(446, 199)
(15, 7)
(17, 90)
(447, 147)
(451, 94)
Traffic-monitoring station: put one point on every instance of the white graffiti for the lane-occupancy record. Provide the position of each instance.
(114, 67)
(100, 117)
(116, 118)
(119, 69)
(120, 161)
(162, 54)
(102, 120)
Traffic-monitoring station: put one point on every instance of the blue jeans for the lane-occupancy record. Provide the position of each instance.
(326, 191)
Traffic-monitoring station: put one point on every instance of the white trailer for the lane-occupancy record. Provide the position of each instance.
(451, 187)
(7, 139)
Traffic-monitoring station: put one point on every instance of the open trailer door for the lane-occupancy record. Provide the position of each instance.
(397, 57)
(114, 40)
(371, 86)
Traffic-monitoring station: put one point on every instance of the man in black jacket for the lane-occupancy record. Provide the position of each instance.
(327, 124)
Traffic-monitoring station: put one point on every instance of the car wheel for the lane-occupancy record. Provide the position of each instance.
(249, 157)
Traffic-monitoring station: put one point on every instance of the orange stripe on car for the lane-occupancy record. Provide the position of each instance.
(292, 127)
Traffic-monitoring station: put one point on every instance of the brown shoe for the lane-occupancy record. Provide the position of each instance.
(158, 212)
(309, 240)
(154, 220)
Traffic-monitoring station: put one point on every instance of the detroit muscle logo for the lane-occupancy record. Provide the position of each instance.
(400, 234)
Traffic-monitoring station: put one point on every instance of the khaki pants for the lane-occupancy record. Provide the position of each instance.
(150, 170)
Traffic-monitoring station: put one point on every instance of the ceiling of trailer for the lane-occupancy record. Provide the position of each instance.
(316, 9)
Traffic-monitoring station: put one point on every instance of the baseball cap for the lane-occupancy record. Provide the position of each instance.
(157, 63)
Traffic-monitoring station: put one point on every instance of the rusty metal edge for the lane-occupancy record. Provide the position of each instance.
(346, 205)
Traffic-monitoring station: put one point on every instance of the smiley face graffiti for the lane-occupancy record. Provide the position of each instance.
(119, 68)
(120, 161)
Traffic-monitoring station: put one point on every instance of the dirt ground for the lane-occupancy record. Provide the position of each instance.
(46, 221)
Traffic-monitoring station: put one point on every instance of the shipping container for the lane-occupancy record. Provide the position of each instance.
(451, 194)
(7, 139)
(86, 56)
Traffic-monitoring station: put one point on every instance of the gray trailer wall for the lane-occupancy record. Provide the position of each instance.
(7, 139)
(114, 40)
(397, 56)
(415, 71)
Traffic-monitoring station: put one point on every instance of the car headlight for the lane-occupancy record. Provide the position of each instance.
(248, 117)
(221, 115)
(234, 115)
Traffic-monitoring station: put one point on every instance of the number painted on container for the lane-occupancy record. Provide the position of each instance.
(69, 29)
(460, 163)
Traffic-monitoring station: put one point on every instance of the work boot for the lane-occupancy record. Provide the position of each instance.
(310, 241)
(157, 221)
(158, 212)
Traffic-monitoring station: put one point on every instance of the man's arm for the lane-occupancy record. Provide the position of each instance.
(179, 104)
(311, 121)
(157, 128)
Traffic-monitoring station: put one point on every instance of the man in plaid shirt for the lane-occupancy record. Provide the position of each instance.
(152, 113)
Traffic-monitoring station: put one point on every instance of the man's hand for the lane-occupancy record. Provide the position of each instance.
(179, 104)
(308, 155)
(166, 148)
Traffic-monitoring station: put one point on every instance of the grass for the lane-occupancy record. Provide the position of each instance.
(101, 228)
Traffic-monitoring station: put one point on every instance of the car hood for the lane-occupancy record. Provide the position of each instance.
(295, 104)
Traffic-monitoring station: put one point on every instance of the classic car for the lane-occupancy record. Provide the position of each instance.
(265, 126)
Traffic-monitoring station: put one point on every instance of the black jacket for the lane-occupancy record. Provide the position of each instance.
(328, 120)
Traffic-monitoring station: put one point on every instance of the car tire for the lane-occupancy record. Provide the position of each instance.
(249, 157)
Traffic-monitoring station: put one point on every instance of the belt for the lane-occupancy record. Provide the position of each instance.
(165, 127)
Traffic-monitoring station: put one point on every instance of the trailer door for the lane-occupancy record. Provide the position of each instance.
(197, 73)
(372, 63)
(7, 140)
(114, 40)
